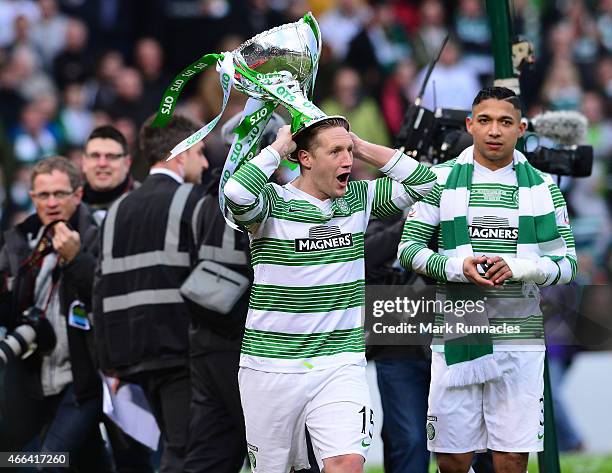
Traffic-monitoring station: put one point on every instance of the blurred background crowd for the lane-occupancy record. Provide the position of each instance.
(67, 66)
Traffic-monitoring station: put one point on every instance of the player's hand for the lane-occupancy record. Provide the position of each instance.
(284, 143)
(65, 241)
(358, 146)
(499, 270)
(470, 271)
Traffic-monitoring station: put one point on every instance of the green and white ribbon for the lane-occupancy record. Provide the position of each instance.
(257, 113)
(225, 67)
(168, 103)
(255, 117)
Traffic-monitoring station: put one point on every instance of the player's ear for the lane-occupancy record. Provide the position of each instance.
(304, 158)
(522, 126)
(468, 123)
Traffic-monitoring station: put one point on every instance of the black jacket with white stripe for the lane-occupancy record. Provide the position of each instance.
(146, 252)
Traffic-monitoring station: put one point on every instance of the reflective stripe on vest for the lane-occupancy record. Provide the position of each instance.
(227, 252)
(138, 298)
(169, 256)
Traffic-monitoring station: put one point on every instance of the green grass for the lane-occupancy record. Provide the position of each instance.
(569, 464)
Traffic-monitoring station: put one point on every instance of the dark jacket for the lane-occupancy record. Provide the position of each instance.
(146, 254)
(211, 331)
(75, 282)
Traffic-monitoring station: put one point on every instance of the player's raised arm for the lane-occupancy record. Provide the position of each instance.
(245, 190)
(406, 181)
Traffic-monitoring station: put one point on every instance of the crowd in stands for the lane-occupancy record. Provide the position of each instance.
(67, 67)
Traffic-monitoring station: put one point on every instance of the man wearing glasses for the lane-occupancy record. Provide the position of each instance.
(106, 167)
(50, 261)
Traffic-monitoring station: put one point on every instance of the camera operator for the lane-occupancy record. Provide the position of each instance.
(57, 394)
(402, 371)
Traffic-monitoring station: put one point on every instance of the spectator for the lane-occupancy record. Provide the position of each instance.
(472, 29)
(11, 9)
(586, 44)
(73, 63)
(106, 168)
(19, 202)
(396, 95)
(76, 120)
(604, 24)
(23, 40)
(11, 100)
(57, 394)
(378, 46)
(49, 34)
(261, 17)
(604, 78)
(101, 88)
(452, 79)
(33, 137)
(150, 63)
(562, 89)
(130, 101)
(341, 24)
(431, 33)
(361, 111)
(32, 82)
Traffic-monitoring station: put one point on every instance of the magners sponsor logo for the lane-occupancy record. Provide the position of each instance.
(494, 233)
(322, 238)
(493, 228)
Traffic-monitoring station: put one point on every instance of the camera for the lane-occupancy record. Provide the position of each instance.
(438, 136)
(34, 332)
(576, 161)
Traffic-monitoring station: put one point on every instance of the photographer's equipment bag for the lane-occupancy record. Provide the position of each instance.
(217, 290)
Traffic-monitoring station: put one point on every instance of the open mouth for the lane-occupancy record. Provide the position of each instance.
(343, 178)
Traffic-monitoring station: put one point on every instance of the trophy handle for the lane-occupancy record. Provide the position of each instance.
(309, 19)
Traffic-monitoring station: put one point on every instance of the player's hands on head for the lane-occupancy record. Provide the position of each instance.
(470, 271)
(357, 145)
(284, 143)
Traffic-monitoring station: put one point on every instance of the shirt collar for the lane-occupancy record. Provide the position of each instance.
(167, 172)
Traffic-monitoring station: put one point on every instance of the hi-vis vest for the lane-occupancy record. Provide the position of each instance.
(218, 242)
(140, 316)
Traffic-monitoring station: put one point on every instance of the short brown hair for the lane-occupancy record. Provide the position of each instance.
(156, 143)
(108, 132)
(61, 164)
(306, 139)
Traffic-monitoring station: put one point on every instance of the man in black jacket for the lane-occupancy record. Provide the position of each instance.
(146, 253)
(106, 167)
(56, 394)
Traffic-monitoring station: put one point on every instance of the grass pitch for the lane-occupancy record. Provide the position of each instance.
(569, 464)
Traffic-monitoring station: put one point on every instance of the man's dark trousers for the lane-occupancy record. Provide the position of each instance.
(169, 394)
(216, 427)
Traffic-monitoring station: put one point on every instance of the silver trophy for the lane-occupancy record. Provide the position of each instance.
(290, 52)
(278, 66)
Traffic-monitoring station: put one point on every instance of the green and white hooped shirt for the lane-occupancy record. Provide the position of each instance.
(492, 215)
(307, 255)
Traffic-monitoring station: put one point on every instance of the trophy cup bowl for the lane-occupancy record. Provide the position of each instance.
(291, 50)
